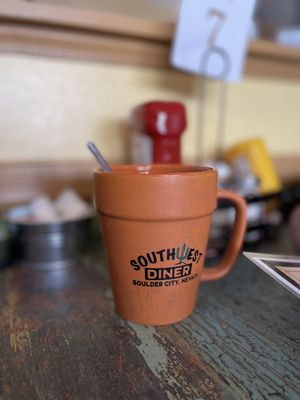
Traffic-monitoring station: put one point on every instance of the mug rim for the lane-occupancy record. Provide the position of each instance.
(153, 169)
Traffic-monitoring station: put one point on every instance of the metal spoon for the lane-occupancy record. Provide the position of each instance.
(99, 157)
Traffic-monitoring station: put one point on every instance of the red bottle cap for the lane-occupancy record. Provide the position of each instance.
(164, 118)
(164, 122)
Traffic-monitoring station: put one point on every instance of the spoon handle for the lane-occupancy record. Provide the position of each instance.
(96, 153)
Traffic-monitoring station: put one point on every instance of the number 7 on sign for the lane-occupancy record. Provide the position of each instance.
(220, 19)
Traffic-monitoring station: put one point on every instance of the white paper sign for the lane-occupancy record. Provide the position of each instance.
(211, 37)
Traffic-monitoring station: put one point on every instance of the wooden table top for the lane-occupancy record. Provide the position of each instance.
(60, 338)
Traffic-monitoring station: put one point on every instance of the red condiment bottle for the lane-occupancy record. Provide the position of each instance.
(157, 129)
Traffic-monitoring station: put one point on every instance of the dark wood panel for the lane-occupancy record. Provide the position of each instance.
(67, 16)
(70, 44)
(21, 181)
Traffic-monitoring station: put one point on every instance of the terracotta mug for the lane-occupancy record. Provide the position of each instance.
(155, 222)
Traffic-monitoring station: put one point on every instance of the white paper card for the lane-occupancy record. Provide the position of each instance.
(211, 37)
(284, 269)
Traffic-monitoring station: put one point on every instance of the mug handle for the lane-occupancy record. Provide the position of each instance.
(236, 239)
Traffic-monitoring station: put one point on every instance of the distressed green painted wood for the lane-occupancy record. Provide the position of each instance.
(247, 329)
(61, 339)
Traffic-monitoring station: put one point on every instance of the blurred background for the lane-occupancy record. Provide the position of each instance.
(73, 71)
(52, 88)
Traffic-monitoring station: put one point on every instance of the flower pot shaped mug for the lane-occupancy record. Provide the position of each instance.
(155, 221)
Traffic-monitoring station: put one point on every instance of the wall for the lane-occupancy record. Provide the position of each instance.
(49, 108)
